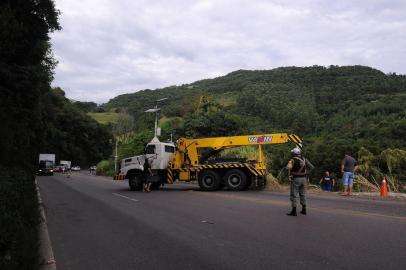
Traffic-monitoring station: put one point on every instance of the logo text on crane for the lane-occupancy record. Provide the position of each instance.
(260, 139)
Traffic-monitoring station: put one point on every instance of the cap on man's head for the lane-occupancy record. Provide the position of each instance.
(296, 151)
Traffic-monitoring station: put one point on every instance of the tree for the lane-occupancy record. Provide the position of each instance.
(124, 126)
(26, 66)
(70, 133)
(86, 106)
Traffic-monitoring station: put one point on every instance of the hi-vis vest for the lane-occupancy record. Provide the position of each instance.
(299, 167)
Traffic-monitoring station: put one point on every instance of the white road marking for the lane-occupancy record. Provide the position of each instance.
(207, 221)
(128, 198)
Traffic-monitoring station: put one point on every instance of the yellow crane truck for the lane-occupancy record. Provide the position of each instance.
(198, 160)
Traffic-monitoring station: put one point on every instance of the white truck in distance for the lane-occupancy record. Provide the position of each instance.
(66, 163)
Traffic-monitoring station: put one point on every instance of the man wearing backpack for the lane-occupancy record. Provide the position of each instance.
(298, 168)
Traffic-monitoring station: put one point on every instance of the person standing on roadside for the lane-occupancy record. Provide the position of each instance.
(147, 174)
(327, 182)
(298, 168)
(348, 165)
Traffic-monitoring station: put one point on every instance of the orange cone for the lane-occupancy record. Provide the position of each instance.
(384, 189)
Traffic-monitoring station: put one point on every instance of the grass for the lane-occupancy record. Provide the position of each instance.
(104, 117)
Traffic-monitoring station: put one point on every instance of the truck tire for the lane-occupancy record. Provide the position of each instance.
(135, 182)
(235, 179)
(209, 180)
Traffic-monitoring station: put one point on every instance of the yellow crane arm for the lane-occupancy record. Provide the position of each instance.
(188, 150)
(236, 141)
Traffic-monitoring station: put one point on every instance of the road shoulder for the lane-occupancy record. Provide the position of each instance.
(46, 252)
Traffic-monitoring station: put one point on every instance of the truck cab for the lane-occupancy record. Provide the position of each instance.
(158, 154)
(46, 167)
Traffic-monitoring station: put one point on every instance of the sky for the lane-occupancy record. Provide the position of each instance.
(112, 47)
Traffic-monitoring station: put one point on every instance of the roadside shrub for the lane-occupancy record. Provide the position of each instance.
(105, 167)
(19, 219)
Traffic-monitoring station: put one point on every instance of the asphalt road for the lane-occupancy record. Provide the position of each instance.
(97, 223)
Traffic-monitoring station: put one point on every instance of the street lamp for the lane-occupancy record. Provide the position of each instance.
(156, 110)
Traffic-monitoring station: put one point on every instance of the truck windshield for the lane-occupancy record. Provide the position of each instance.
(45, 164)
(150, 149)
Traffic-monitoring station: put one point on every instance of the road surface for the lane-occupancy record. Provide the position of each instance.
(97, 223)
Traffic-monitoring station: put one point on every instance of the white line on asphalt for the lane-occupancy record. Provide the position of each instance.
(128, 198)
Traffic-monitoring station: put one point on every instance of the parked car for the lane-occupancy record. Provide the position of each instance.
(75, 168)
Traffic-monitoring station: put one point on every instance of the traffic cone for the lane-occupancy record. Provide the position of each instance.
(384, 189)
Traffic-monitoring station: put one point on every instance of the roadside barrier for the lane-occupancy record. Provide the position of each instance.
(118, 177)
(384, 188)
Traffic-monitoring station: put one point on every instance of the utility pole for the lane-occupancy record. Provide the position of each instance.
(115, 157)
(156, 119)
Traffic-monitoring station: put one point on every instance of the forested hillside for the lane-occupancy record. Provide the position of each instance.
(335, 109)
(70, 133)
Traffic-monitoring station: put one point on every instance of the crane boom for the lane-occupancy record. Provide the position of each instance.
(236, 141)
(190, 151)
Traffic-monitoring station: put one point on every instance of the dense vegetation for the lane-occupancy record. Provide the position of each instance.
(335, 109)
(70, 133)
(35, 119)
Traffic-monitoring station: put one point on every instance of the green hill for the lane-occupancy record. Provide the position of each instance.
(335, 109)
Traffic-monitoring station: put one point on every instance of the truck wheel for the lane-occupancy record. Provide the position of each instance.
(209, 180)
(235, 179)
(135, 182)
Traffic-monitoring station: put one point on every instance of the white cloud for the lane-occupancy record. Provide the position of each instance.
(112, 47)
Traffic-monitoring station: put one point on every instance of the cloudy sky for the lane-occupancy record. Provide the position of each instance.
(112, 47)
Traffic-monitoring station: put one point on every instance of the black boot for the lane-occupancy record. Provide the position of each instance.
(303, 212)
(293, 212)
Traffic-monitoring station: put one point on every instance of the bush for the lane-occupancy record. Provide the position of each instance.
(19, 219)
(105, 167)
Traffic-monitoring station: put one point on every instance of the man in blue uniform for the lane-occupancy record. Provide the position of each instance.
(327, 182)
